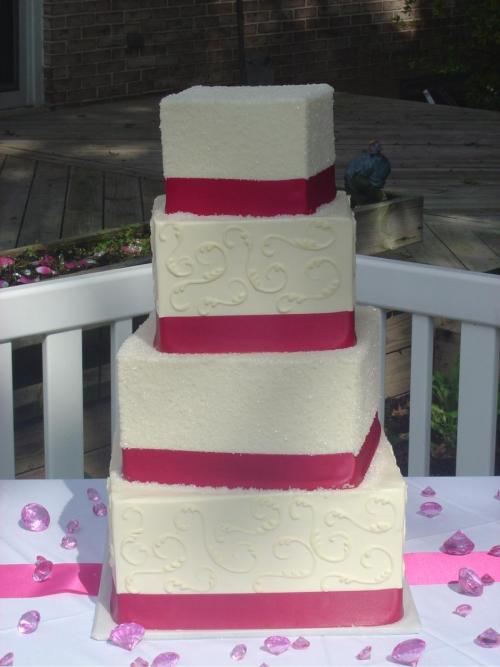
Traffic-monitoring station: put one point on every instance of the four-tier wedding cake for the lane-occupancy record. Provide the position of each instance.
(251, 484)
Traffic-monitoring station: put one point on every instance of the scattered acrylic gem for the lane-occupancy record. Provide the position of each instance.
(408, 652)
(365, 653)
(488, 639)
(428, 491)
(238, 652)
(458, 544)
(93, 495)
(68, 542)
(35, 517)
(166, 660)
(73, 526)
(264, 664)
(43, 569)
(430, 509)
(470, 582)
(497, 495)
(139, 662)
(127, 635)
(100, 509)
(301, 643)
(28, 622)
(7, 660)
(463, 610)
(487, 579)
(495, 551)
(276, 644)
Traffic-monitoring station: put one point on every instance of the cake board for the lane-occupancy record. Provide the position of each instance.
(104, 623)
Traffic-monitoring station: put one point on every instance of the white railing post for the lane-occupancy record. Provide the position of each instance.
(422, 337)
(477, 400)
(63, 404)
(7, 457)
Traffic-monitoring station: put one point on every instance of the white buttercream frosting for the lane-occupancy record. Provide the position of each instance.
(230, 265)
(297, 403)
(181, 539)
(255, 133)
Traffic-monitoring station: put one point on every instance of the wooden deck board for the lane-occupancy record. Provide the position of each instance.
(84, 205)
(45, 207)
(15, 182)
(122, 200)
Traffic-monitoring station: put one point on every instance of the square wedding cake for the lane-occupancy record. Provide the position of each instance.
(251, 485)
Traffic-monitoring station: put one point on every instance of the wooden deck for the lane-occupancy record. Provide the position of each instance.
(75, 171)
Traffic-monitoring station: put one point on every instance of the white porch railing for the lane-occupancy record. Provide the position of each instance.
(59, 309)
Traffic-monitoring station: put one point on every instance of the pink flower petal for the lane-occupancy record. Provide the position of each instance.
(6, 261)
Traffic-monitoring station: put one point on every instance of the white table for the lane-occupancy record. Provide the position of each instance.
(63, 637)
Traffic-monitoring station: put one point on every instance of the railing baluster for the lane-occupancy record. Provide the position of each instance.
(63, 404)
(7, 458)
(477, 401)
(422, 335)
(119, 332)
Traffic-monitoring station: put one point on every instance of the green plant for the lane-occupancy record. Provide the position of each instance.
(444, 412)
(471, 49)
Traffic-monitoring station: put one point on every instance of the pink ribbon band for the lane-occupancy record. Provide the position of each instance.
(235, 611)
(251, 471)
(231, 196)
(426, 568)
(16, 581)
(421, 568)
(255, 333)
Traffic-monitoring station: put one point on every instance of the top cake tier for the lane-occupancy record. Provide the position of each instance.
(260, 151)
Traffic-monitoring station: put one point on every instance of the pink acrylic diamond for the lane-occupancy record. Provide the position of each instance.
(458, 544)
(69, 542)
(487, 579)
(28, 622)
(73, 526)
(166, 660)
(35, 517)
(7, 660)
(497, 495)
(238, 652)
(276, 644)
(100, 509)
(470, 582)
(127, 635)
(430, 509)
(365, 653)
(301, 643)
(93, 495)
(264, 664)
(408, 652)
(43, 569)
(463, 610)
(495, 551)
(488, 639)
(428, 491)
(139, 662)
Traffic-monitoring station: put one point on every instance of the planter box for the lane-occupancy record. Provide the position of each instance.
(388, 224)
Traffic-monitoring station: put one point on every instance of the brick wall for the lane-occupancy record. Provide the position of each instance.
(100, 49)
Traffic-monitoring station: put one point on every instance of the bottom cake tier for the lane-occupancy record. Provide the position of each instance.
(185, 558)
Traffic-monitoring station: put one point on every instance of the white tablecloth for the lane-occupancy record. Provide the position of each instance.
(63, 637)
